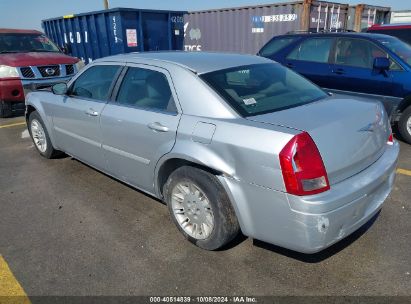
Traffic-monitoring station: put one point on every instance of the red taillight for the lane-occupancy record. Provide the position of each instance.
(390, 140)
(302, 166)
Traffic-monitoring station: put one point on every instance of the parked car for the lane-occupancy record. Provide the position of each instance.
(29, 60)
(228, 141)
(360, 64)
(401, 31)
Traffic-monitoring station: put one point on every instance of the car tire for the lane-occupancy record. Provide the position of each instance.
(404, 125)
(40, 136)
(5, 109)
(200, 208)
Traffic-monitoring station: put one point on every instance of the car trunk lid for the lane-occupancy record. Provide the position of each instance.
(350, 134)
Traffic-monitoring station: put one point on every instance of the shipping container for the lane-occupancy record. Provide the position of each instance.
(120, 30)
(362, 16)
(247, 29)
(401, 17)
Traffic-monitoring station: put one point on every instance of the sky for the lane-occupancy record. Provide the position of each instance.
(29, 13)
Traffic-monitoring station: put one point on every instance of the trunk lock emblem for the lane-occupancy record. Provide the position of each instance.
(377, 122)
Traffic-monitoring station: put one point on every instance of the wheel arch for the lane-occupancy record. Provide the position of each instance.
(188, 152)
(171, 162)
(33, 104)
(405, 103)
(29, 109)
(168, 165)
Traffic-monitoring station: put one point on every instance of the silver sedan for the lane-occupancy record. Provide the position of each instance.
(229, 142)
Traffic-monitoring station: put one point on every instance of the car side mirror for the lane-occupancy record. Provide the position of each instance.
(381, 63)
(59, 88)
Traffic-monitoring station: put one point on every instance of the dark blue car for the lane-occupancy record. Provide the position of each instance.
(361, 64)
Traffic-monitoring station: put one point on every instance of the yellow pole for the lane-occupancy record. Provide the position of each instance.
(106, 4)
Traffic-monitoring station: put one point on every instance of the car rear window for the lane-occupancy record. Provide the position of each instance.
(403, 34)
(262, 88)
(402, 49)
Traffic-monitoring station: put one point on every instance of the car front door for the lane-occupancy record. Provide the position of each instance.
(310, 58)
(140, 125)
(76, 116)
(352, 68)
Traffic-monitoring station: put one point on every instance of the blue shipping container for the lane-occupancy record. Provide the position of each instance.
(115, 31)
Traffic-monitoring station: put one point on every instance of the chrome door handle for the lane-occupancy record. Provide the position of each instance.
(156, 126)
(91, 112)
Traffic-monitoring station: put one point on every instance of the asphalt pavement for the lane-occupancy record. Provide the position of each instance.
(67, 229)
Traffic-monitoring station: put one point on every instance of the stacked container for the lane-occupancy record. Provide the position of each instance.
(247, 29)
(362, 16)
(98, 34)
(401, 16)
(239, 29)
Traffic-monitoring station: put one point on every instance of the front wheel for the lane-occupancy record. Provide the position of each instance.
(40, 137)
(200, 208)
(404, 125)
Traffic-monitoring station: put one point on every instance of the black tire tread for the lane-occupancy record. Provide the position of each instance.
(402, 125)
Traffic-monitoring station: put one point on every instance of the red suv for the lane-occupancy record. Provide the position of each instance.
(401, 31)
(29, 61)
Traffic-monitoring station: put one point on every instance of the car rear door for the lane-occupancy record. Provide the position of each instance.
(310, 58)
(76, 116)
(140, 124)
(352, 68)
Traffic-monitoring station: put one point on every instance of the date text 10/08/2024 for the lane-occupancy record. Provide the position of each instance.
(206, 299)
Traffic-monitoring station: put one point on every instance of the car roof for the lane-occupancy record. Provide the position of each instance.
(346, 34)
(198, 62)
(390, 26)
(18, 31)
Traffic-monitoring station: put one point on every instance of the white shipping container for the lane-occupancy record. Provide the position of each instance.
(401, 17)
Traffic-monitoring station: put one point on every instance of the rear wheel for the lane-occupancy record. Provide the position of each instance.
(404, 125)
(40, 136)
(5, 109)
(200, 208)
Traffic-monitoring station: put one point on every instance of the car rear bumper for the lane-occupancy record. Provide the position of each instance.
(312, 223)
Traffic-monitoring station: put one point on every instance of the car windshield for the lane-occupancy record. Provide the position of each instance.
(262, 88)
(399, 47)
(17, 43)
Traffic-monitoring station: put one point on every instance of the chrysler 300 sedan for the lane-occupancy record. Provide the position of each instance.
(229, 142)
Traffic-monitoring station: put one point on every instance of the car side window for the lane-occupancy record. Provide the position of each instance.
(359, 53)
(275, 45)
(312, 49)
(94, 82)
(147, 89)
